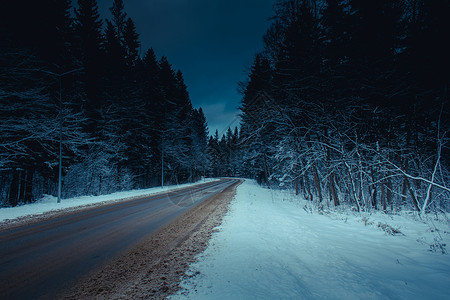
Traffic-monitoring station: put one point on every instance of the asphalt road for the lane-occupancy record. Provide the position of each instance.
(40, 259)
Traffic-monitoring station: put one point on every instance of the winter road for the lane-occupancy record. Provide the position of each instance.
(40, 259)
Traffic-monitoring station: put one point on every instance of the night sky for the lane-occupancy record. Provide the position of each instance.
(213, 42)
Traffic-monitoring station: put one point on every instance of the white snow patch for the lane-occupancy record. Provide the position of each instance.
(271, 247)
(48, 203)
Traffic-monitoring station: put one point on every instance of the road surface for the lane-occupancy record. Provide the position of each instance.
(41, 259)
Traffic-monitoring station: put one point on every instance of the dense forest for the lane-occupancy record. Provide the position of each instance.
(348, 104)
(77, 87)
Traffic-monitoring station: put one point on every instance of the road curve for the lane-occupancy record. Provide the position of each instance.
(41, 259)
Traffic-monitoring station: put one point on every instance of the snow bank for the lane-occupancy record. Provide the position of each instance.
(48, 203)
(270, 247)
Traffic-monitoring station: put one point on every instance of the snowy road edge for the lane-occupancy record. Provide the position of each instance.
(47, 207)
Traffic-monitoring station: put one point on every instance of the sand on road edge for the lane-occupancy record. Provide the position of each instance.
(153, 268)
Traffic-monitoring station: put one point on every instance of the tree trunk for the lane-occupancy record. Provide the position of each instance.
(383, 196)
(404, 190)
(28, 198)
(353, 188)
(302, 185)
(309, 195)
(266, 171)
(413, 197)
(389, 194)
(317, 182)
(100, 185)
(14, 188)
(22, 180)
(334, 190)
(360, 193)
(374, 191)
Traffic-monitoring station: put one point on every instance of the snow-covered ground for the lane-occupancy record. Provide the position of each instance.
(272, 247)
(48, 203)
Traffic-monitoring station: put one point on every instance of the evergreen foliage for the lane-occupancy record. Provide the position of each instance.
(122, 116)
(349, 104)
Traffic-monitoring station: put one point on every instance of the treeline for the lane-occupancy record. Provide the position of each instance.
(224, 154)
(348, 103)
(123, 118)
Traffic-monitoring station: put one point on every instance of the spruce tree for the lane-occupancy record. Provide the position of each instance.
(88, 30)
(132, 43)
(118, 18)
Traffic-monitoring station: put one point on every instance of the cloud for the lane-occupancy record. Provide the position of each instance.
(220, 118)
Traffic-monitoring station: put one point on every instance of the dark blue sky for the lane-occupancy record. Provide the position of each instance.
(213, 42)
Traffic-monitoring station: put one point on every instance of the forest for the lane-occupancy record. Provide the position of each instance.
(76, 87)
(347, 105)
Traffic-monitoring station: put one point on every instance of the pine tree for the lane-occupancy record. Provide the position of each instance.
(115, 54)
(214, 154)
(131, 41)
(88, 28)
(425, 45)
(118, 18)
(255, 113)
(153, 117)
(199, 138)
(134, 108)
(342, 104)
